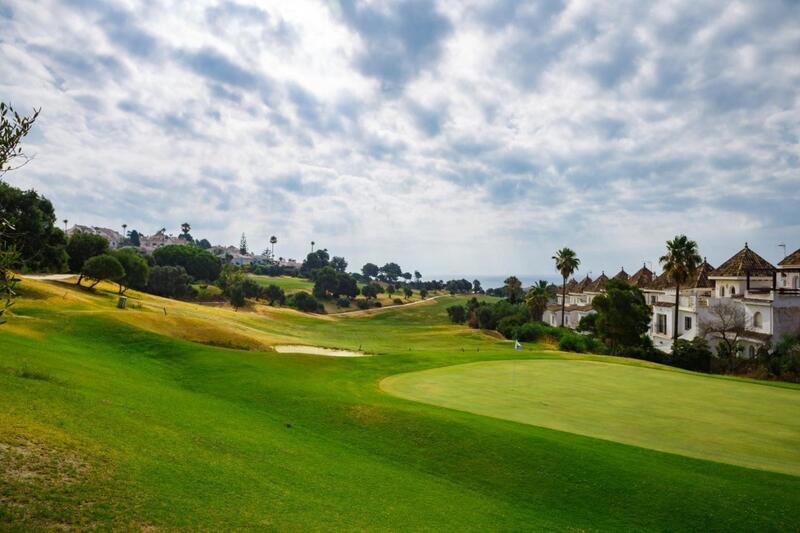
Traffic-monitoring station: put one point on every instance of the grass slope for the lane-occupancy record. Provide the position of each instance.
(728, 421)
(123, 419)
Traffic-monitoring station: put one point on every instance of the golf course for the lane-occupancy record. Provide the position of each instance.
(174, 415)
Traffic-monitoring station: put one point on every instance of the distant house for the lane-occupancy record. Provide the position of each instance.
(157, 240)
(114, 238)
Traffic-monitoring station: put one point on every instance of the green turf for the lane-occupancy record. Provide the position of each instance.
(111, 420)
(289, 284)
(733, 422)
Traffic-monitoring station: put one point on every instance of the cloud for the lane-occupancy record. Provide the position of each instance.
(452, 137)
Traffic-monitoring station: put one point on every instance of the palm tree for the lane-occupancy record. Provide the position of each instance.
(312, 246)
(65, 225)
(566, 263)
(536, 299)
(273, 241)
(680, 263)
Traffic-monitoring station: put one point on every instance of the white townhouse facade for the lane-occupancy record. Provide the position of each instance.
(114, 238)
(769, 297)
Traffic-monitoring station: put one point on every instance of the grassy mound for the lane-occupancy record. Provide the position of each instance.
(136, 418)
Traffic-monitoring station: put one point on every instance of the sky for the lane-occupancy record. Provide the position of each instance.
(450, 137)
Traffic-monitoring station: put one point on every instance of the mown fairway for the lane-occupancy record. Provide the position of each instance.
(735, 422)
(175, 415)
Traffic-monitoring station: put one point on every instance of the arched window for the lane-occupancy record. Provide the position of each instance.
(757, 320)
(722, 291)
(733, 291)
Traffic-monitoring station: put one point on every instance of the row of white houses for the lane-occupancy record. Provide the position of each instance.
(768, 295)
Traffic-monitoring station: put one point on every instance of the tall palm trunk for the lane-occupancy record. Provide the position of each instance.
(677, 308)
(563, 300)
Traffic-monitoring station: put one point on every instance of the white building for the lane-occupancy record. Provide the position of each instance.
(769, 296)
(157, 240)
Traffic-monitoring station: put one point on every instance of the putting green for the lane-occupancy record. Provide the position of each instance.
(722, 420)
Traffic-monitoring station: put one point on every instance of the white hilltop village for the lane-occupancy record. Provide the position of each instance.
(149, 243)
(765, 296)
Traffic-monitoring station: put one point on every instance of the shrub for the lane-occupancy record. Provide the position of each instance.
(378, 304)
(272, 294)
(397, 301)
(691, 355)
(251, 288)
(362, 303)
(236, 295)
(508, 325)
(530, 331)
(302, 301)
(457, 314)
(343, 301)
(572, 342)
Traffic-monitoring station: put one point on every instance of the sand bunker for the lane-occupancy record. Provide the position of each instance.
(316, 350)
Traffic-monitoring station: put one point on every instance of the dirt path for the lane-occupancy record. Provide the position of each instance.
(48, 277)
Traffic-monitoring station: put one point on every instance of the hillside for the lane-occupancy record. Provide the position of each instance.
(177, 415)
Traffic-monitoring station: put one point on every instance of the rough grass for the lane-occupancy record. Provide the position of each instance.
(141, 428)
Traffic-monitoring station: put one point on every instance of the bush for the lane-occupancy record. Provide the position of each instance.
(691, 355)
(378, 304)
(236, 295)
(397, 301)
(508, 325)
(272, 294)
(102, 267)
(169, 281)
(362, 303)
(343, 301)
(302, 301)
(572, 342)
(251, 288)
(457, 314)
(533, 331)
(198, 263)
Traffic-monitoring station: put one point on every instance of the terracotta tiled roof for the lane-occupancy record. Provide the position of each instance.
(660, 282)
(622, 275)
(642, 278)
(570, 285)
(583, 284)
(792, 259)
(700, 280)
(599, 284)
(737, 266)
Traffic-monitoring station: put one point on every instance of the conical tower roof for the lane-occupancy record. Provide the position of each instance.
(792, 259)
(738, 265)
(583, 284)
(599, 284)
(622, 275)
(700, 279)
(642, 278)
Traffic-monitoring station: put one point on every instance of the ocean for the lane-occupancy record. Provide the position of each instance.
(492, 281)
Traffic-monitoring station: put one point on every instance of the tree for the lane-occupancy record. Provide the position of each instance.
(476, 286)
(273, 294)
(727, 321)
(185, 235)
(369, 291)
(325, 282)
(680, 263)
(199, 263)
(169, 281)
(417, 276)
(236, 295)
(346, 285)
(623, 317)
(370, 270)
(136, 270)
(81, 246)
(339, 264)
(391, 271)
(134, 238)
(390, 289)
(8, 258)
(406, 276)
(423, 293)
(243, 245)
(13, 128)
(273, 241)
(566, 264)
(513, 289)
(536, 300)
(27, 224)
(102, 267)
(407, 292)
(302, 301)
(204, 244)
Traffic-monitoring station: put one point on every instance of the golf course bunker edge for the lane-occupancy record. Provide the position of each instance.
(317, 350)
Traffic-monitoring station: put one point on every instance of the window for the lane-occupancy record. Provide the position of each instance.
(722, 292)
(751, 351)
(661, 323)
(758, 321)
(733, 291)
(687, 323)
(652, 298)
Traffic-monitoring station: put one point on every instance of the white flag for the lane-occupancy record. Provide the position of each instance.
(517, 346)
